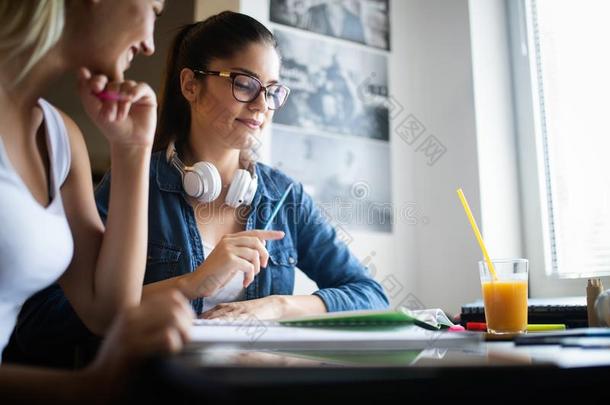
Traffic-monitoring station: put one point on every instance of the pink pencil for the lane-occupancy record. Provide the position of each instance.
(108, 95)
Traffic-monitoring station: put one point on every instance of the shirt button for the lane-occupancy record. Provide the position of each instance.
(291, 260)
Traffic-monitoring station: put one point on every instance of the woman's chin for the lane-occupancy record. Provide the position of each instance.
(242, 140)
(243, 145)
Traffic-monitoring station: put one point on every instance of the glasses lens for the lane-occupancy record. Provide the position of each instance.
(276, 96)
(245, 88)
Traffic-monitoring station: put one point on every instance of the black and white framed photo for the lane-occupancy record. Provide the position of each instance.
(348, 179)
(362, 21)
(335, 87)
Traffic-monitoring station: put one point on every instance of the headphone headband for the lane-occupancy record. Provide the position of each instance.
(172, 158)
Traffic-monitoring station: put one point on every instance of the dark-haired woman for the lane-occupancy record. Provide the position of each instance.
(209, 203)
(221, 88)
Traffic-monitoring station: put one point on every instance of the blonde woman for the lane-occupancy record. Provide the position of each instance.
(50, 226)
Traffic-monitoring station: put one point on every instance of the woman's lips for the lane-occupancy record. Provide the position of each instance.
(252, 124)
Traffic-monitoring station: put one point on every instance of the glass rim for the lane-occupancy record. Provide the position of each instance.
(261, 89)
(506, 260)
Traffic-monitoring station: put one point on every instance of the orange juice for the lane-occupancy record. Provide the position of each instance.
(505, 304)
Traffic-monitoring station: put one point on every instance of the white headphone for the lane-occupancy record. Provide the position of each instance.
(202, 181)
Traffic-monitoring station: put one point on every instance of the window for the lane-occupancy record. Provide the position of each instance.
(567, 44)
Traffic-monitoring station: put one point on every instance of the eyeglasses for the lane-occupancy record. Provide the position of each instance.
(246, 88)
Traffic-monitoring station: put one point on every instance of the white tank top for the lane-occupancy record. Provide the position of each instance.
(35, 242)
(232, 291)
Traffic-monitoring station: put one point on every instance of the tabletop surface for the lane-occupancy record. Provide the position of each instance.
(483, 354)
(226, 373)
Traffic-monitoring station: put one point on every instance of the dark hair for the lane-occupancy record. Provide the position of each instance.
(195, 46)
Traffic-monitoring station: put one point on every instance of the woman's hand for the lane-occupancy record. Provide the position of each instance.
(160, 324)
(125, 112)
(242, 252)
(271, 307)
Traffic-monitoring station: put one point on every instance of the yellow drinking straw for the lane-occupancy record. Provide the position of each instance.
(477, 233)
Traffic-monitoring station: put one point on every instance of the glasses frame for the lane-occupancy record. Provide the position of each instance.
(232, 75)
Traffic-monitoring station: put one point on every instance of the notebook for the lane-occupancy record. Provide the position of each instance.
(433, 319)
(571, 311)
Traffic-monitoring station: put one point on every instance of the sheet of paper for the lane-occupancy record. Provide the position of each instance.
(269, 335)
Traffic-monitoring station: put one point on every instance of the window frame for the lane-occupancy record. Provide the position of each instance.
(533, 166)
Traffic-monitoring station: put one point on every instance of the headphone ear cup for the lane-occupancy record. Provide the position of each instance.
(202, 182)
(238, 188)
(249, 197)
(192, 184)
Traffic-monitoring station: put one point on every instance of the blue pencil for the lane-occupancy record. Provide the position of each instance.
(278, 206)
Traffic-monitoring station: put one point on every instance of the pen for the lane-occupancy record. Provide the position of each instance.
(278, 206)
(482, 326)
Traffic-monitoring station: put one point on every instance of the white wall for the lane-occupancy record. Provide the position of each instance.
(439, 89)
(496, 140)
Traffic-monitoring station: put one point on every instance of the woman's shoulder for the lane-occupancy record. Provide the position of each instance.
(66, 138)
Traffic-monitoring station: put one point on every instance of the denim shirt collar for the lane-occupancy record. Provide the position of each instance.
(169, 179)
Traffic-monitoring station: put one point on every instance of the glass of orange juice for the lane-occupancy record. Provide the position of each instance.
(505, 298)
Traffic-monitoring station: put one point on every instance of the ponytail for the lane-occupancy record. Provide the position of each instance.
(174, 110)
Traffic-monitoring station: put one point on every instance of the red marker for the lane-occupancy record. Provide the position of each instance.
(478, 326)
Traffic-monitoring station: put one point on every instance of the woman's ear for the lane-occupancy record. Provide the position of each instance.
(189, 85)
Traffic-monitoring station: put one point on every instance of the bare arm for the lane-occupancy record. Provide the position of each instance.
(160, 325)
(182, 283)
(107, 268)
(300, 305)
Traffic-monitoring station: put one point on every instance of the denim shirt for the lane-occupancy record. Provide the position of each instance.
(310, 242)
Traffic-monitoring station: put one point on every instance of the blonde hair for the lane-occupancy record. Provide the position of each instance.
(28, 29)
